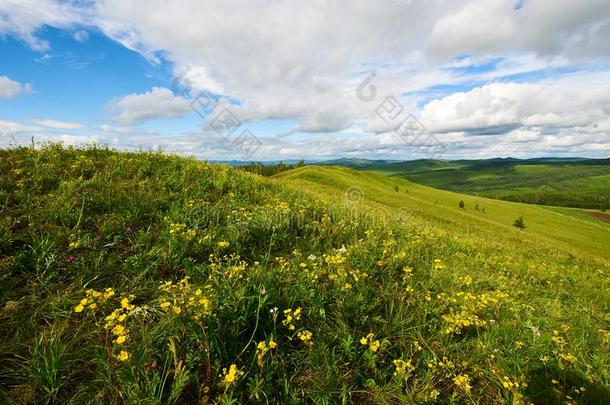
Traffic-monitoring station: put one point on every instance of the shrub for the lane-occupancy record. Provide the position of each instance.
(461, 204)
(519, 223)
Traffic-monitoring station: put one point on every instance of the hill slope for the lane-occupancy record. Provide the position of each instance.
(566, 229)
(145, 278)
(569, 182)
(566, 182)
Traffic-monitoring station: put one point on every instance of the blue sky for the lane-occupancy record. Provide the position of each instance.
(529, 79)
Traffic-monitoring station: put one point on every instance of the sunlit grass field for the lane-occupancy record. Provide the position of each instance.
(568, 182)
(146, 278)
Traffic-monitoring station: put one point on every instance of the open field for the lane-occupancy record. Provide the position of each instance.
(572, 229)
(144, 278)
(547, 181)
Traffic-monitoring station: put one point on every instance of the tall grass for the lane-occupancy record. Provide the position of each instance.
(146, 278)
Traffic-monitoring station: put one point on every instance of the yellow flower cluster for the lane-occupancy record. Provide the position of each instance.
(438, 264)
(567, 357)
(283, 263)
(93, 299)
(403, 368)
(512, 384)
(468, 309)
(291, 317)
(115, 322)
(175, 229)
(311, 270)
(334, 259)
(230, 376)
(557, 339)
(459, 320)
(180, 230)
(342, 277)
(306, 337)
(183, 297)
(445, 363)
(262, 348)
(371, 342)
(563, 357)
(466, 280)
(462, 381)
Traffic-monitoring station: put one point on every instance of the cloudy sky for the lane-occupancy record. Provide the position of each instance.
(271, 79)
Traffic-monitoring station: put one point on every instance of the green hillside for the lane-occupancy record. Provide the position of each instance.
(567, 182)
(155, 279)
(567, 229)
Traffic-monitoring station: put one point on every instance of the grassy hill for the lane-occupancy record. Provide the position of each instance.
(568, 182)
(145, 278)
(568, 229)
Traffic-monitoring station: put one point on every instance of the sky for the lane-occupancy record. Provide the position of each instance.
(315, 80)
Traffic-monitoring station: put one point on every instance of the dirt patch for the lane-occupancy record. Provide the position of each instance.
(598, 215)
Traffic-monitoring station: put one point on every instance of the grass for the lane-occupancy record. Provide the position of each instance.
(557, 228)
(146, 278)
(570, 182)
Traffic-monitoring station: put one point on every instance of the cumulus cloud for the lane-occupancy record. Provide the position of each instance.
(23, 18)
(499, 108)
(11, 89)
(157, 103)
(576, 29)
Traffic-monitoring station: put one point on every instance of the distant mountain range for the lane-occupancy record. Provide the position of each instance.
(363, 164)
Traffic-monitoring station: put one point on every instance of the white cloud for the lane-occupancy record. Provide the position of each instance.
(496, 108)
(81, 36)
(60, 124)
(11, 89)
(576, 29)
(110, 128)
(23, 18)
(157, 103)
(11, 128)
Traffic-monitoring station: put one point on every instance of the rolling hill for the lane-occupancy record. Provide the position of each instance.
(566, 229)
(568, 182)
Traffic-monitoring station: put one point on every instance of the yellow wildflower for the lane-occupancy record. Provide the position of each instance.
(306, 337)
(118, 330)
(123, 355)
(231, 375)
(462, 381)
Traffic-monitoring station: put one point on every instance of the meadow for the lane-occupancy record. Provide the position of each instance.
(150, 278)
(563, 182)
